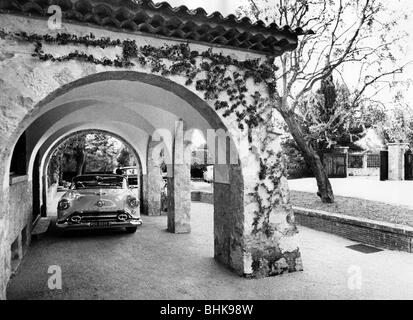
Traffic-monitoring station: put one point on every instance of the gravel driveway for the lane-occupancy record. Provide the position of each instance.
(154, 264)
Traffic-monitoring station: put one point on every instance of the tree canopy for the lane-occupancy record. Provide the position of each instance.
(88, 151)
(356, 41)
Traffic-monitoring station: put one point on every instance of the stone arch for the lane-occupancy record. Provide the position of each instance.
(226, 239)
(53, 138)
(193, 99)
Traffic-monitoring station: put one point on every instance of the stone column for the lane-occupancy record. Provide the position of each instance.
(396, 160)
(229, 217)
(152, 189)
(179, 185)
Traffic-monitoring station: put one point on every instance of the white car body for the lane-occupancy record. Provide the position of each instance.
(99, 201)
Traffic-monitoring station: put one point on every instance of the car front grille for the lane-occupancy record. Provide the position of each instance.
(97, 216)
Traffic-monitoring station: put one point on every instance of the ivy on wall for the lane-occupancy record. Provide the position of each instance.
(221, 78)
(177, 60)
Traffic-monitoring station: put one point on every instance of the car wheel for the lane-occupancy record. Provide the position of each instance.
(131, 229)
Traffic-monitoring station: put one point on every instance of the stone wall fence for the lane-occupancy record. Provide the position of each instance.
(363, 164)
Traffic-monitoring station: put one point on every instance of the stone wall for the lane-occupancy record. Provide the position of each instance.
(375, 233)
(20, 207)
(363, 164)
(366, 172)
(15, 228)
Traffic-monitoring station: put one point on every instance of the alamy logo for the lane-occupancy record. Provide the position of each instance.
(223, 147)
(55, 279)
(55, 20)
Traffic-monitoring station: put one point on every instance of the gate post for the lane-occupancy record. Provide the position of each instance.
(408, 165)
(396, 160)
(384, 165)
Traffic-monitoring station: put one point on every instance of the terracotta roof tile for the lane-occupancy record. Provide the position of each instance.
(164, 20)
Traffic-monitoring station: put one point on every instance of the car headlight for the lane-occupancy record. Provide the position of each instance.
(133, 202)
(63, 204)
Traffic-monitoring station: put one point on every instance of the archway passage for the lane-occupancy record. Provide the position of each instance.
(148, 100)
(149, 118)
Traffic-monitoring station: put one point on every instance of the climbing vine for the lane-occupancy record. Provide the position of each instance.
(267, 193)
(220, 77)
(178, 60)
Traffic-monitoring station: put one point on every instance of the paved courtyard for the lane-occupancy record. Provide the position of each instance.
(154, 264)
(369, 188)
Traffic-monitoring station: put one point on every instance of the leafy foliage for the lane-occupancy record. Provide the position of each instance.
(397, 125)
(126, 158)
(101, 152)
(296, 165)
(89, 151)
(332, 119)
(362, 36)
(217, 75)
(70, 149)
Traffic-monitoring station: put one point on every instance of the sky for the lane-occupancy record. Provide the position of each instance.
(227, 7)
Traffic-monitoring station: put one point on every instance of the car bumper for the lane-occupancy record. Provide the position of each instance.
(98, 225)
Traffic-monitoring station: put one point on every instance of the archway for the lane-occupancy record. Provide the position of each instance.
(50, 145)
(212, 81)
(145, 102)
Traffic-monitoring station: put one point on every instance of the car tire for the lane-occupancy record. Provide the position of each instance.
(131, 229)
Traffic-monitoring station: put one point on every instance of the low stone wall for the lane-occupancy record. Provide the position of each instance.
(15, 229)
(363, 171)
(201, 196)
(375, 233)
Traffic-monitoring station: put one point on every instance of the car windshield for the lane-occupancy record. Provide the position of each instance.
(93, 182)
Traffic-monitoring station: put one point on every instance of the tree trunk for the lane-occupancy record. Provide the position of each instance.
(311, 157)
(80, 158)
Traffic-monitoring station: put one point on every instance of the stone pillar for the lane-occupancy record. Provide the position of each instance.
(229, 217)
(179, 185)
(254, 230)
(396, 160)
(152, 202)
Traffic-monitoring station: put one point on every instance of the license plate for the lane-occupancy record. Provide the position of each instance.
(99, 224)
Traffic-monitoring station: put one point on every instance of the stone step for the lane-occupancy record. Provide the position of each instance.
(41, 226)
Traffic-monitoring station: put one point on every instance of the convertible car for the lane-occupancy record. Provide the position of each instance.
(99, 201)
